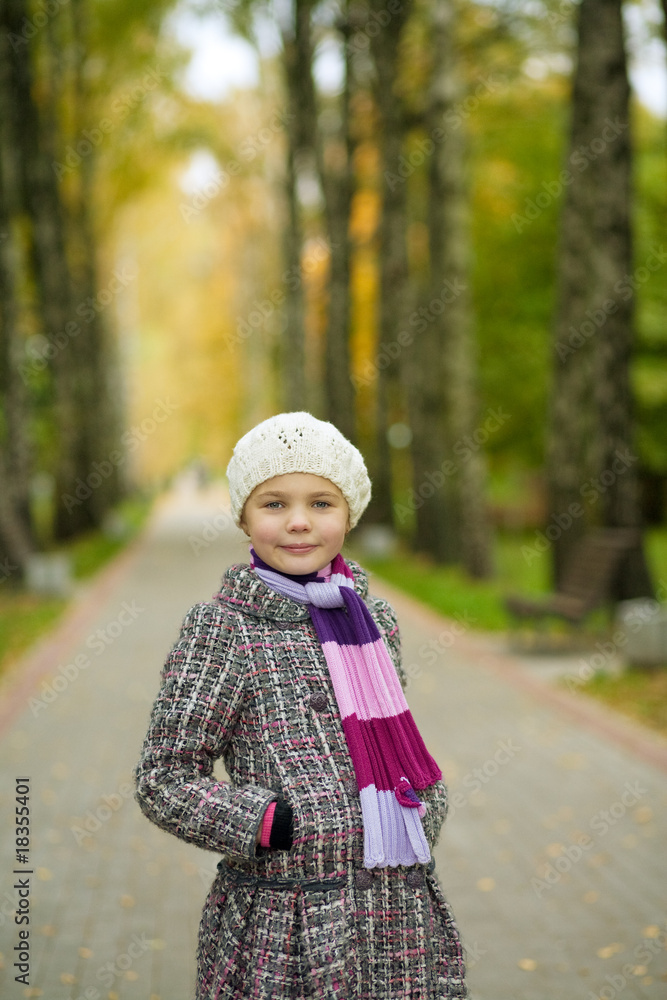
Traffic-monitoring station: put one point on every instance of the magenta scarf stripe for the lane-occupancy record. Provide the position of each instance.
(388, 754)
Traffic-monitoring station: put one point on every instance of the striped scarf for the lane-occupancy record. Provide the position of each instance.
(389, 757)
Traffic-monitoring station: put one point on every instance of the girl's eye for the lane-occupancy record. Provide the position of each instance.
(322, 503)
(274, 505)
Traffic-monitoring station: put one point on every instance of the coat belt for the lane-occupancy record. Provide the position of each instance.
(305, 884)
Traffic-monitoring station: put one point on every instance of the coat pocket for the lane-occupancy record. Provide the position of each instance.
(328, 943)
(221, 959)
(446, 952)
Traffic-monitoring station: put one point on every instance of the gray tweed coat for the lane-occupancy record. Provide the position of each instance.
(247, 681)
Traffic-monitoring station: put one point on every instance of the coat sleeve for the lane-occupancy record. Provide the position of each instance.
(191, 723)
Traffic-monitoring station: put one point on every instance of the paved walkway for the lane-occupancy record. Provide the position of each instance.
(552, 857)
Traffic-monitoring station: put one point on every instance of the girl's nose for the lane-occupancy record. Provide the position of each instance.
(298, 521)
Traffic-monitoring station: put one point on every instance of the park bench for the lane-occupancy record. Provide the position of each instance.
(592, 578)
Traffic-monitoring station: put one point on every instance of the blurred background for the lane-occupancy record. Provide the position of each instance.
(441, 225)
(436, 224)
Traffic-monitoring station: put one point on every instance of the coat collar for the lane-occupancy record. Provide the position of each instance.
(242, 588)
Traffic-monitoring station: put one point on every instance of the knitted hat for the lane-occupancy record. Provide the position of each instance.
(297, 442)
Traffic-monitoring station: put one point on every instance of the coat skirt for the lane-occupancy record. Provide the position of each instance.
(247, 682)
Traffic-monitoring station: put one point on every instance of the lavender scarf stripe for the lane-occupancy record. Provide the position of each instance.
(389, 757)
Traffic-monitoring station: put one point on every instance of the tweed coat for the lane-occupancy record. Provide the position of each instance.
(247, 681)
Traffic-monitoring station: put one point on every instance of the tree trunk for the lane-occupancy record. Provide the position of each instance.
(16, 537)
(335, 168)
(50, 267)
(590, 418)
(449, 477)
(393, 262)
(297, 57)
(94, 356)
(612, 264)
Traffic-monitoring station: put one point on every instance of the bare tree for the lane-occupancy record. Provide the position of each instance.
(335, 153)
(451, 518)
(591, 426)
(393, 262)
(297, 59)
(16, 541)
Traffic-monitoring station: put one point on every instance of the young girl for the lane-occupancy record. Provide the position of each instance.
(291, 674)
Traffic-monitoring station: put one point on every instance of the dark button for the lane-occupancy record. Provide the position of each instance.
(318, 701)
(363, 879)
(415, 878)
(351, 787)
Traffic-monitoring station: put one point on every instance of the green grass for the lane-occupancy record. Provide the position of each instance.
(449, 589)
(640, 694)
(92, 550)
(24, 617)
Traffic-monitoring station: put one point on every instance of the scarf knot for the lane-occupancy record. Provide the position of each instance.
(324, 595)
(388, 754)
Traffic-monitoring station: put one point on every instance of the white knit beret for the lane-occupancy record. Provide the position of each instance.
(297, 442)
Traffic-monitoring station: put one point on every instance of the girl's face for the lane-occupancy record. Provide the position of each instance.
(297, 522)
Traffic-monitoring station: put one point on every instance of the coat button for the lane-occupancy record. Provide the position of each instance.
(414, 878)
(318, 701)
(351, 787)
(363, 879)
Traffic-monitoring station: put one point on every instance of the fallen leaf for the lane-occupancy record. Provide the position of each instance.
(486, 884)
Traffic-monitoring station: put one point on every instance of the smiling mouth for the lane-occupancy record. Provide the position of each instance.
(298, 548)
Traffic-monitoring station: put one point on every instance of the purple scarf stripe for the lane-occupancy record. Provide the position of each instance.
(387, 750)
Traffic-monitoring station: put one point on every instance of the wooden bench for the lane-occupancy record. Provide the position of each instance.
(590, 581)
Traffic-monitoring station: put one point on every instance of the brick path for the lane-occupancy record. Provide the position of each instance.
(552, 857)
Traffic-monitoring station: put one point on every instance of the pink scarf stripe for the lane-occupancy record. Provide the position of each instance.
(352, 694)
